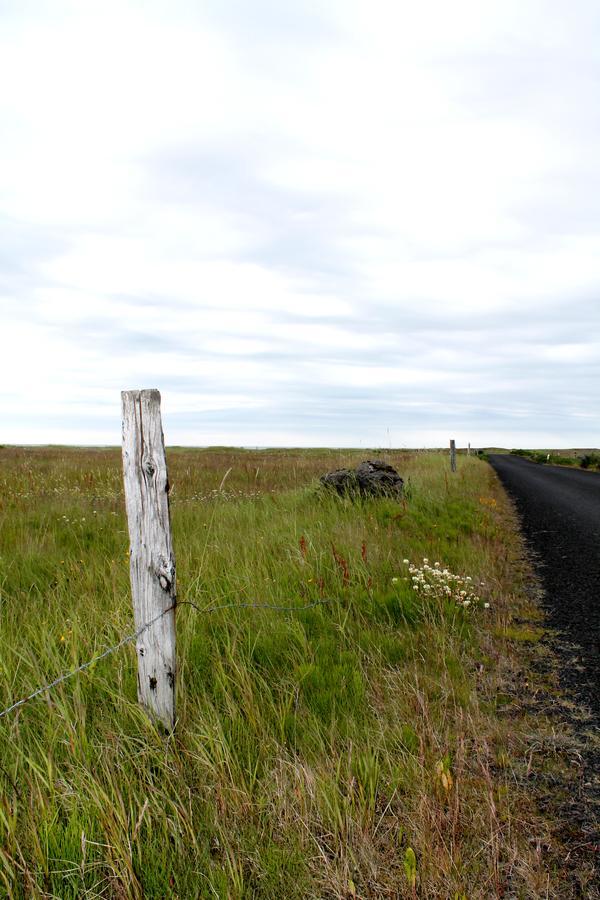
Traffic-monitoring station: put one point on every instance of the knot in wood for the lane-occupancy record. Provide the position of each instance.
(165, 573)
(149, 466)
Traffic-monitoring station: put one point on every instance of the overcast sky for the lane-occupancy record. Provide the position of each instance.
(308, 223)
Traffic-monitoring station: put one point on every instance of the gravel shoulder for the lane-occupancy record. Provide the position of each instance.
(559, 510)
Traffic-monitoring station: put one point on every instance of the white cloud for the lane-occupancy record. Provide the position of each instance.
(303, 223)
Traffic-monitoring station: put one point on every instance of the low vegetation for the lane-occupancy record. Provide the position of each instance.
(588, 459)
(351, 749)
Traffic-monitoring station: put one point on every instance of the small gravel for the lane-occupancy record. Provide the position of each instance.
(559, 509)
(560, 516)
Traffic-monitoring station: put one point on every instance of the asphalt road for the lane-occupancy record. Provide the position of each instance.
(560, 515)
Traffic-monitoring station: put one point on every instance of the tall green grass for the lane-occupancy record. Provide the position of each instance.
(309, 745)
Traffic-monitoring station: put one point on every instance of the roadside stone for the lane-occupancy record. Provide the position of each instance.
(341, 480)
(370, 478)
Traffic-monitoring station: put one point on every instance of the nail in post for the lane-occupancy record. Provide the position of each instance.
(152, 562)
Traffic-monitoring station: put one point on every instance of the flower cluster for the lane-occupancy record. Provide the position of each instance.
(75, 520)
(437, 582)
(217, 494)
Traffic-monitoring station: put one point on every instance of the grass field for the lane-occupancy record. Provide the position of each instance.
(348, 750)
(583, 458)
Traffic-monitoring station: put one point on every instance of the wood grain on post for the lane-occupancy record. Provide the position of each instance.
(152, 562)
(453, 455)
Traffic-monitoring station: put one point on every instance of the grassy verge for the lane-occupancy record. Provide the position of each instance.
(354, 749)
(584, 459)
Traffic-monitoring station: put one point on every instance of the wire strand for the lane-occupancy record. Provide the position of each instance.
(135, 634)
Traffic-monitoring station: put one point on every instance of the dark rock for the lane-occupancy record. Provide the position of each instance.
(369, 479)
(378, 478)
(342, 480)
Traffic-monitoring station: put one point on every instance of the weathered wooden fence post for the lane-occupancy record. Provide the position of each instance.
(453, 455)
(152, 563)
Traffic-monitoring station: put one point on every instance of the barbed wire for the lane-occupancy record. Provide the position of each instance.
(135, 634)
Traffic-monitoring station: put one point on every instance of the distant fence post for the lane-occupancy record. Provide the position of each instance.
(453, 455)
(469, 448)
(152, 562)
